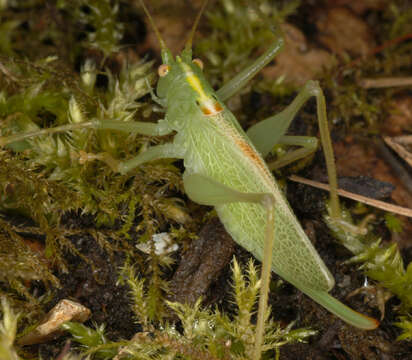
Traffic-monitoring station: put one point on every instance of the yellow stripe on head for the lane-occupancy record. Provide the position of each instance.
(208, 105)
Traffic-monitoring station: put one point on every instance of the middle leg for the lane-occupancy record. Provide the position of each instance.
(269, 132)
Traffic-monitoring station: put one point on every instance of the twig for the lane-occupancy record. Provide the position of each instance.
(377, 50)
(395, 164)
(398, 145)
(369, 83)
(6, 72)
(363, 199)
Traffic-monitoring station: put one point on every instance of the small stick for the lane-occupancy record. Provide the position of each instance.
(377, 50)
(369, 83)
(395, 164)
(6, 72)
(400, 210)
(397, 144)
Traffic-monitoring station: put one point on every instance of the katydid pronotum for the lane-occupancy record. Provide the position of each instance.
(224, 168)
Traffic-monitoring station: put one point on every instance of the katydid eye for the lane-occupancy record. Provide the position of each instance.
(198, 62)
(163, 70)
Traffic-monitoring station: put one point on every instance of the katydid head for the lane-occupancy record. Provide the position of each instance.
(185, 69)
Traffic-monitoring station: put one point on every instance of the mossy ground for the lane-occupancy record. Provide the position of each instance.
(69, 223)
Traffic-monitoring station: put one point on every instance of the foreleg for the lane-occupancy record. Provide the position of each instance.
(150, 129)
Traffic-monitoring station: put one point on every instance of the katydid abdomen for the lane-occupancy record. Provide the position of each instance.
(229, 158)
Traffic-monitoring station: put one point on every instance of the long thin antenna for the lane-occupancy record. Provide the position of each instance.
(159, 38)
(189, 41)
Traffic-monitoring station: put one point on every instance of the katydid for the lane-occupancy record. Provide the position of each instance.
(224, 168)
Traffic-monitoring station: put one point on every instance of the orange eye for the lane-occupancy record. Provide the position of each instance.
(198, 62)
(163, 70)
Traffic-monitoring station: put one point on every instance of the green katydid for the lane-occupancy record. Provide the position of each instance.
(224, 168)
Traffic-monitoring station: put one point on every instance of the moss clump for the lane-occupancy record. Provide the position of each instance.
(8, 331)
(205, 334)
(382, 263)
(52, 183)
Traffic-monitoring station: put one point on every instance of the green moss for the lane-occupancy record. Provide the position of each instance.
(101, 16)
(46, 178)
(206, 333)
(405, 323)
(8, 330)
(382, 263)
(393, 223)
